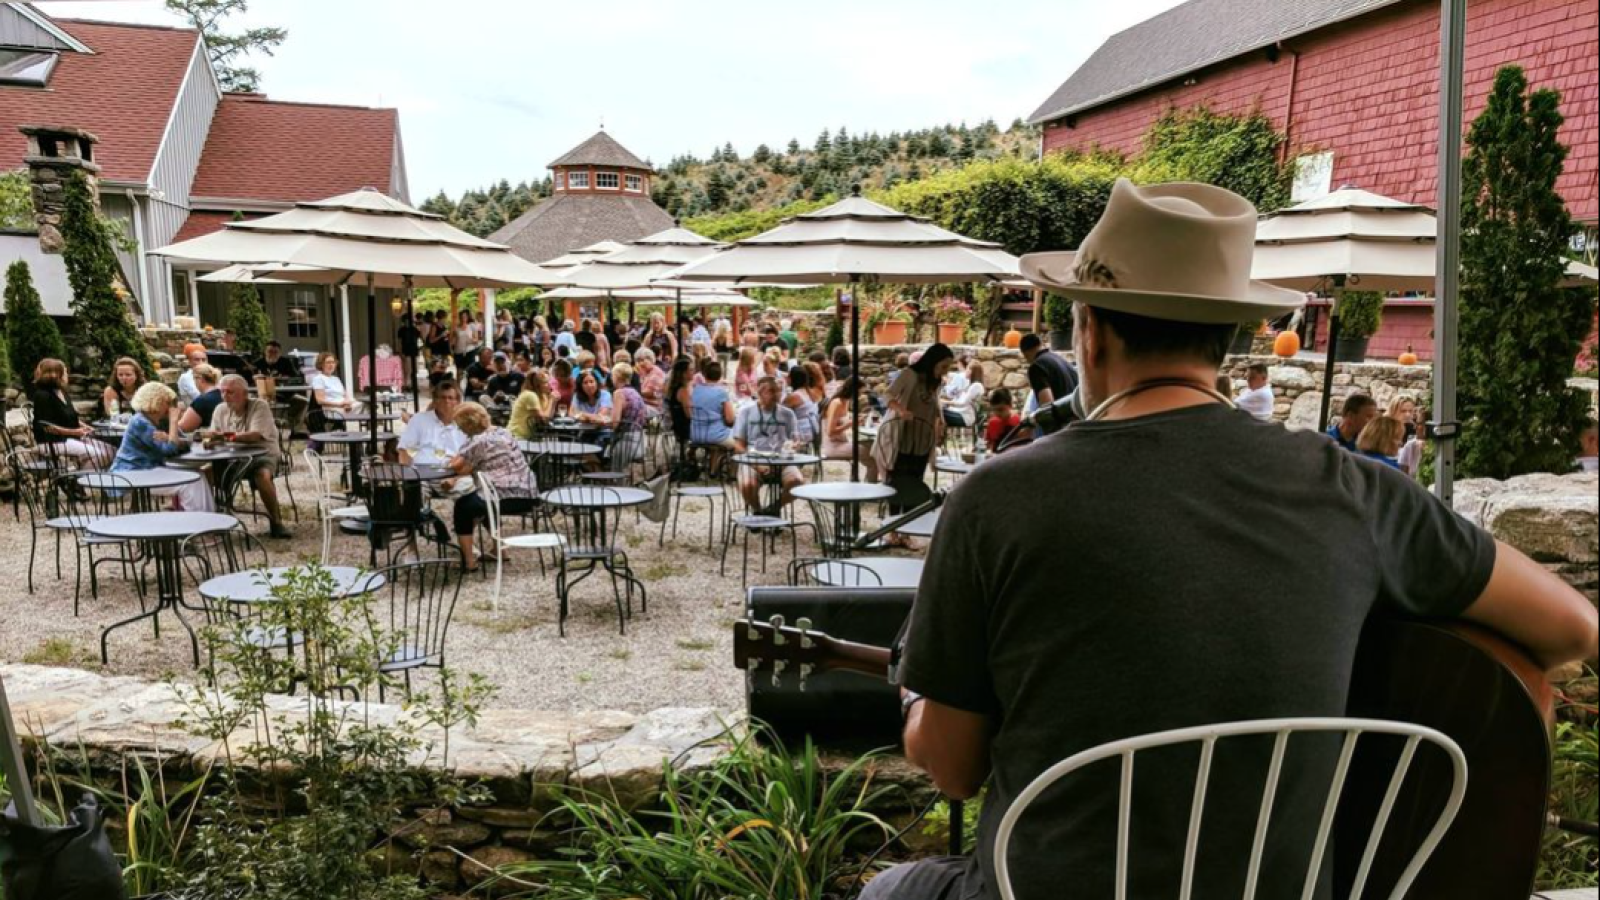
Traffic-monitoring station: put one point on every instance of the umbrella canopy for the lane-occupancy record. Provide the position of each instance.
(642, 262)
(577, 293)
(365, 234)
(556, 271)
(698, 297)
(855, 240)
(242, 274)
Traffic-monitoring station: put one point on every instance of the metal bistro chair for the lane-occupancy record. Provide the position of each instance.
(754, 525)
(626, 449)
(825, 526)
(206, 556)
(73, 509)
(397, 506)
(831, 573)
(421, 601)
(492, 528)
(701, 485)
(332, 508)
(1208, 737)
(590, 523)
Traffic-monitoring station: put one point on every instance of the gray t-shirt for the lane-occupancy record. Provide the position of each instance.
(764, 430)
(1185, 568)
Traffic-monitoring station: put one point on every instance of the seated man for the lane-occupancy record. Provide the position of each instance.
(274, 364)
(250, 422)
(506, 382)
(431, 438)
(1358, 410)
(769, 427)
(196, 356)
(1256, 398)
(1003, 418)
(479, 373)
(1059, 566)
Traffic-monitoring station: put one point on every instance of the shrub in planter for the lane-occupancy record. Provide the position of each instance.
(1057, 315)
(30, 334)
(1360, 316)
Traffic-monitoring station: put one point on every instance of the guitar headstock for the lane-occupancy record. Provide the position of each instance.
(773, 646)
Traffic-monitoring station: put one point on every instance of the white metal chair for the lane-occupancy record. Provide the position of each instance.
(1207, 736)
(536, 542)
(331, 508)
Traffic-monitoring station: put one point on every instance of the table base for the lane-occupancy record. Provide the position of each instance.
(169, 597)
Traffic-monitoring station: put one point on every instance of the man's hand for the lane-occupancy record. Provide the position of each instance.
(950, 744)
(1536, 609)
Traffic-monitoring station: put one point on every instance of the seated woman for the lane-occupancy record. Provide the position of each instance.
(327, 389)
(149, 443)
(492, 453)
(959, 396)
(628, 414)
(56, 426)
(534, 407)
(127, 376)
(836, 428)
(711, 415)
(591, 403)
(652, 381)
(564, 385)
(799, 401)
(747, 373)
(198, 415)
(1381, 440)
(679, 384)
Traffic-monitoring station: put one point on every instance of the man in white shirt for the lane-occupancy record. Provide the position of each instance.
(766, 426)
(187, 389)
(1257, 399)
(431, 438)
(1589, 441)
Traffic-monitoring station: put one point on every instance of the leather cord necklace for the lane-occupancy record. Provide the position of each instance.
(1106, 405)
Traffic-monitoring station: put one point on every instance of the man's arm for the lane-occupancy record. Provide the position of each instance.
(1535, 608)
(951, 745)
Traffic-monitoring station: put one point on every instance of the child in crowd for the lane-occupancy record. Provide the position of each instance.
(1002, 418)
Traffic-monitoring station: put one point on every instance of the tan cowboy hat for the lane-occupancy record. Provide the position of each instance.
(1179, 252)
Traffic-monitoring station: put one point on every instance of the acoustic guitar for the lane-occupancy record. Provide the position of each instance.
(1460, 679)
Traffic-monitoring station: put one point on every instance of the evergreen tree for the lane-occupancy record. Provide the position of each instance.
(794, 147)
(762, 155)
(247, 321)
(717, 187)
(824, 143)
(1520, 331)
(30, 334)
(103, 323)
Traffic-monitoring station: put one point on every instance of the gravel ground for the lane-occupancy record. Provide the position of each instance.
(679, 654)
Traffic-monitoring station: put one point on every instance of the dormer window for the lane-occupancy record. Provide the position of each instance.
(578, 181)
(29, 67)
(607, 181)
(635, 183)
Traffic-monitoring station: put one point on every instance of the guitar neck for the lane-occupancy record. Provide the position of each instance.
(863, 659)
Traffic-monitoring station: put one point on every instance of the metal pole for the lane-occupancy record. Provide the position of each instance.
(1333, 347)
(11, 765)
(411, 362)
(861, 381)
(344, 337)
(372, 361)
(1447, 274)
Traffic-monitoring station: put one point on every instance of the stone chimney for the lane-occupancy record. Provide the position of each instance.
(53, 153)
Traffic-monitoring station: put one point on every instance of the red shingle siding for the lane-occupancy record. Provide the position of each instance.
(259, 149)
(1368, 90)
(123, 93)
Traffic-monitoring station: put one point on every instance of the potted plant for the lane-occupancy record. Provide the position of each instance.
(1244, 339)
(1360, 316)
(887, 317)
(1057, 314)
(952, 314)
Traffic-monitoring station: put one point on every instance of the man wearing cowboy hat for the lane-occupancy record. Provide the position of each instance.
(1126, 576)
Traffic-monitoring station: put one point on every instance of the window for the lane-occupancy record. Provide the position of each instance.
(635, 183)
(578, 180)
(30, 67)
(305, 306)
(561, 180)
(606, 181)
(180, 295)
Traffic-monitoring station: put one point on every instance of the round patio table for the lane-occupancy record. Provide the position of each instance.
(560, 448)
(771, 482)
(846, 498)
(255, 585)
(161, 534)
(139, 482)
(952, 466)
(892, 571)
(598, 500)
(353, 441)
(351, 418)
(195, 459)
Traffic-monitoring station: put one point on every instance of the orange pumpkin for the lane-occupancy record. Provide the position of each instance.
(1286, 344)
(1013, 339)
(1408, 358)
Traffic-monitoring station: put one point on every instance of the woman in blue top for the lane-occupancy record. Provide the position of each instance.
(148, 444)
(1381, 440)
(711, 409)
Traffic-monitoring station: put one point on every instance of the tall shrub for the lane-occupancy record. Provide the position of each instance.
(104, 326)
(247, 321)
(30, 334)
(1520, 331)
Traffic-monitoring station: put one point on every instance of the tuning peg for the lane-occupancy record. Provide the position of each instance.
(752, 663)
(777, 669)
(804, 625)
(805, 673)
(777, 630)
(750, 631)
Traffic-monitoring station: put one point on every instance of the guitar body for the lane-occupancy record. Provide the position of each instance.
(1488, 696)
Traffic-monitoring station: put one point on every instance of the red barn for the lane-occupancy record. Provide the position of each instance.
(1352, 83)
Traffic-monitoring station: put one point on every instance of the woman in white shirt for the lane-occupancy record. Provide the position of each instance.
(958, 400)
(326, 387)
(468, 338)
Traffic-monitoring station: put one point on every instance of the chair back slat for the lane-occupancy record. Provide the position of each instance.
(1281, 729)
(421, 599)
(1202, 781)
(832, 573)
(491, 499)
(1329, 813)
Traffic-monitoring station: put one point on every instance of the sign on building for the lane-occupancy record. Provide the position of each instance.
(1313, 176)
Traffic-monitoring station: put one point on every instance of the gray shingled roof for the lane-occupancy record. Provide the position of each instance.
(567, 221)
(1186, 38)
(601, 150)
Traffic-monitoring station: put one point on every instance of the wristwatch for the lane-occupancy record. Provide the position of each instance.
(912, 698)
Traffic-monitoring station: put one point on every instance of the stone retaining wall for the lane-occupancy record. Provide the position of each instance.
(1553, 518)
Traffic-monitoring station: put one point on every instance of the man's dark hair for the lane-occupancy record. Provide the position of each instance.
(798, 378)
(1000, 397)
(1147, 338)
(1030, 342)
(1356, 403)
(274, 344)
(586, 341)
(1257, 369)
(712, 370)
(841, 356)
(447, 387)
(902, 360)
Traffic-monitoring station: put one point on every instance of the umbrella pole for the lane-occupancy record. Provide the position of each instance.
(372, 361)
(411, 362)
(1333, 347)
(1452, 42)
(855, 370)
(677, 322)
(11, 766)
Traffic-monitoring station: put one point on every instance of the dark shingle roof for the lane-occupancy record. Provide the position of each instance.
(568, 221)
(601, 150)
(1186, 38)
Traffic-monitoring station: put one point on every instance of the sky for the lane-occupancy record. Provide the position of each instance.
(492, 89)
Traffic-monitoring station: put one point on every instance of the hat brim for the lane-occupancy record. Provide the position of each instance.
(1054, 272)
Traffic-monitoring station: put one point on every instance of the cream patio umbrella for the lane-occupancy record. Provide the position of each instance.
(640, 263)
(1357, 239)
(364, 236)
(855, 241)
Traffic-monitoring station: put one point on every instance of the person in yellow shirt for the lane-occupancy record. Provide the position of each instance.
(534, 407)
